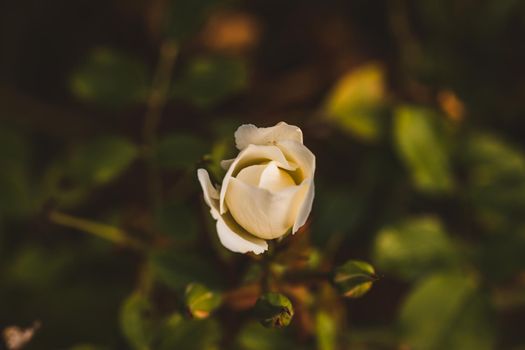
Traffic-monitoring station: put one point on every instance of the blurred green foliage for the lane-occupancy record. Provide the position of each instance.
(135, 323)
(496, 173)
(188, 148)
(208, 80)
(456, 318)
(192, 335)
(354, 278)
(177, 220)
(183, 18)
(326, 329)
(111, 79)
(101, 160)
(254, 336)
(200, 300)
(413, 248)
(357, 102)
(178, 269)
(274, 310)
(421, 143)
(414, 110)
(15, 181)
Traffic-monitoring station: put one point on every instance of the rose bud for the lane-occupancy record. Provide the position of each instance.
(274, 310)
(267, 191)
(354, 278)
(201, 301)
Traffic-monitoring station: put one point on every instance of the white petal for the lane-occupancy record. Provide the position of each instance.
(249, 134)
(252, 154)
(236, 239)
(267, 176)
(305, 199)
(251, 175)
(299, 154)
(211, 196)
(231, 235)
(225, 164)
(305, 159)
(262, 213)
(274, 178)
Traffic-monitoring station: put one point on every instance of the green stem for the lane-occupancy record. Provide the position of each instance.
(110, 233)
(156, 103)
(266, 268)
(307, 276)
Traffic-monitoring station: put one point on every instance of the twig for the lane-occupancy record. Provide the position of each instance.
(400, 26)
(266, 267)
(156, 103)
(107, 232)
(307, 276)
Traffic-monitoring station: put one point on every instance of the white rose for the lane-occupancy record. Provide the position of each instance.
(268, 188)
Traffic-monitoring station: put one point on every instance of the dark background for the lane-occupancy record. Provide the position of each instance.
(415, 111)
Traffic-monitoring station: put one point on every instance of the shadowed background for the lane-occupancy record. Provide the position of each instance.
(414, 109)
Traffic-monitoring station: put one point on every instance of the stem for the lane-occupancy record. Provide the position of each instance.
(146, 279)
(307, 276)
(266, 273)
(107, 232)
(156, 103)
(400, 26)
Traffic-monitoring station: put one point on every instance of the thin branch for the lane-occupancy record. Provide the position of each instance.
(307, 276)
(110, 233)
(156, 103)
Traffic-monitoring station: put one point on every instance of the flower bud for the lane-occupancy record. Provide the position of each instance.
(354, 278)
(274, 310)
(201, 301)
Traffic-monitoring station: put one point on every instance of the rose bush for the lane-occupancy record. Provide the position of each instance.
(268, 188)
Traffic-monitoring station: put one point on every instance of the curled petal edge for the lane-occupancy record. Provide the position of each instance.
(245, 156)
(231, 235)
(306, 207)
(263, 213)
(298, 154)
(249, 134)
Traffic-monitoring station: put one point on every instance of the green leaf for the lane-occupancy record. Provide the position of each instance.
(501, 257)
(15, 183)
(201, 301)
(185, 17)
(326, 331)
(134, 322)
(496, 180)
(354, 278)
(206, 81)
(36, 268)
(101, 160)
(254, 336)
(274, 310)
(177, 220)
(218, 153)
(176, 269)
(413, 248)
(336, 211)
(420, 139)
(111, 79)
(446, 312)
(88, 347)
(357, 101)
(14, 148)
(180, 151)
(2, 237)
(190, 334)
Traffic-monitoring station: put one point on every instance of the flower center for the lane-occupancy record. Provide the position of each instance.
(267, 176)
